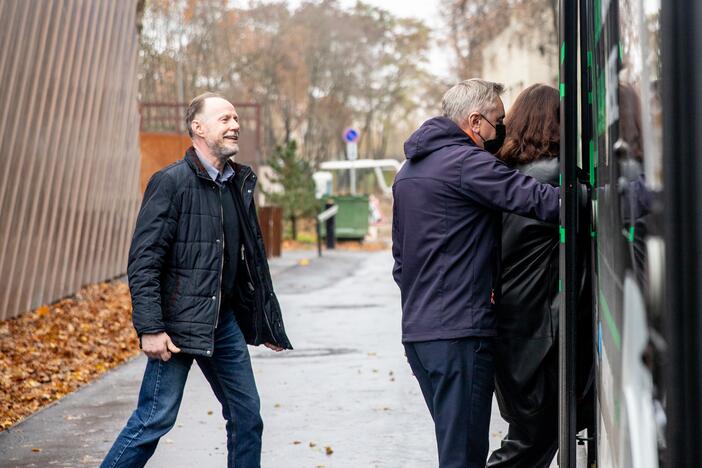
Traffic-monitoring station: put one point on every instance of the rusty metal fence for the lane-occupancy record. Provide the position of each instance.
(271, 221)
(169, 118)
(69, 123)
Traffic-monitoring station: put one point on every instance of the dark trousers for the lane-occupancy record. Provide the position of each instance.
(532, 437)
(525, 447)
(229, 374)
(456, 378)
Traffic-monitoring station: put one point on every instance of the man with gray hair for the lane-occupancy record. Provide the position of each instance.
(447, 215)
(201, 290)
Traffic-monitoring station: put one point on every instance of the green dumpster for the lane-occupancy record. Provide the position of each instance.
(352, 218)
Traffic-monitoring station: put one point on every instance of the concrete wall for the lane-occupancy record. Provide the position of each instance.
(519, 58)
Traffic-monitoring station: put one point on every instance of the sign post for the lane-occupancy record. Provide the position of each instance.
(351, 138)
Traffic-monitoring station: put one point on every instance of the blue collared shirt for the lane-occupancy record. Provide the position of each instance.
(219, 177)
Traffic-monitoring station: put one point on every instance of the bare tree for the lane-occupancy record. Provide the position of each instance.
(314, 70)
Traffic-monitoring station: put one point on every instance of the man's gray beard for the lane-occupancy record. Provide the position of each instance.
(223, 153)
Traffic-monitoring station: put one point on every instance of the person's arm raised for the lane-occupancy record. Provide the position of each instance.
(488, 181)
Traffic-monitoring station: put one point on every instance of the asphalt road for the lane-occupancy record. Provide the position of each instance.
(346, 387)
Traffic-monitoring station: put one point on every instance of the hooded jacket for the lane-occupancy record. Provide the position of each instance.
(176, 260)
(448, 202)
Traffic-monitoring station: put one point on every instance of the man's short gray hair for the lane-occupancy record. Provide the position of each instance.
(474, 95)
(195, 107)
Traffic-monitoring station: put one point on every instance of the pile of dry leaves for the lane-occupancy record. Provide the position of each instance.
(50, 352)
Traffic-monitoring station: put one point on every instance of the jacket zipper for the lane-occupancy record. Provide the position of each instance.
(221, 266)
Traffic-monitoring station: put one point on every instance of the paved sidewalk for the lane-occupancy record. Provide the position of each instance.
(346, 386)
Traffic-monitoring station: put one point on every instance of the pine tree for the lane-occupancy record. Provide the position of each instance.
(294, 175)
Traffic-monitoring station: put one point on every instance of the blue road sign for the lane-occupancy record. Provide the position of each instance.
(351, 135)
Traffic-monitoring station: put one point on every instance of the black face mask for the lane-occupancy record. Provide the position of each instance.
(494, 145)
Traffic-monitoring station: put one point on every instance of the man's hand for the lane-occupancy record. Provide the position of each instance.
(158, 346)
(275, 348)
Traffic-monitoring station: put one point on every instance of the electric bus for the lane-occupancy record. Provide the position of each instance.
(631, 132)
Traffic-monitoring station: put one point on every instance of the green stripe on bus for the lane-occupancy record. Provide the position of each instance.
(611, 324)
(560, 286)
(562, 90)
(598, 19)
(562, 52)
(631, 234)
(562, 229)
(589, 59)
(592, 163)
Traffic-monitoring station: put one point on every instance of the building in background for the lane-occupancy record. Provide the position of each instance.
(69, 123)
(522, 55)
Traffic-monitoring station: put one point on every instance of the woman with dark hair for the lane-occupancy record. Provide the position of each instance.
(533, 133)
(526, 349)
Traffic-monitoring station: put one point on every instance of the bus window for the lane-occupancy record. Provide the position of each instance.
(640, 51)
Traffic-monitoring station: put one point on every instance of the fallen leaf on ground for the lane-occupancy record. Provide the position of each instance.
(55, 349)
(328, 450)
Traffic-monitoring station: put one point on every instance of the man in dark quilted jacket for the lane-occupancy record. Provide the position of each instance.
(201, 290)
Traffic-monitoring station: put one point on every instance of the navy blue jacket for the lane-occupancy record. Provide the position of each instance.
(447, 214)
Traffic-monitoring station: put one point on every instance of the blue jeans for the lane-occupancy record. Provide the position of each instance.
(230, 375)
(456, 379)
